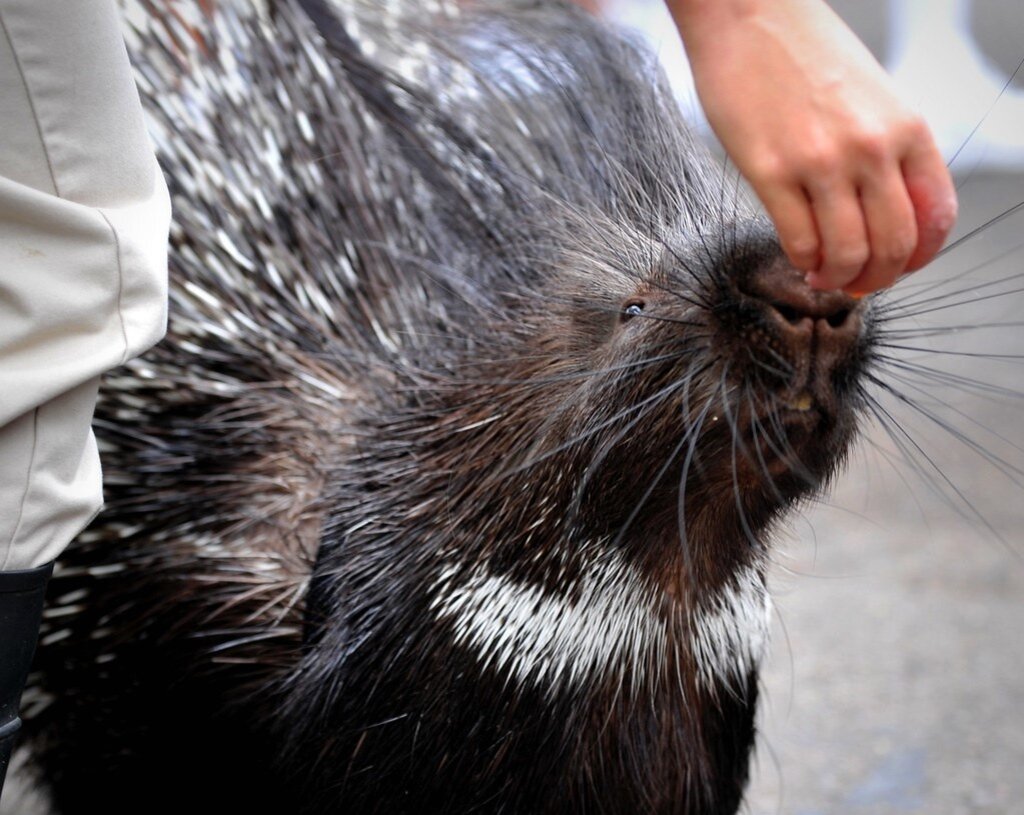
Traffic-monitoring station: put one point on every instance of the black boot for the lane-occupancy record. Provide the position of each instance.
(21, 609)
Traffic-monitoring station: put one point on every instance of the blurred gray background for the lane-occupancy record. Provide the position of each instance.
(896, 680)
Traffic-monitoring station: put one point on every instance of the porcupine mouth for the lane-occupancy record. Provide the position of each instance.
(791, 431)
(794, 355)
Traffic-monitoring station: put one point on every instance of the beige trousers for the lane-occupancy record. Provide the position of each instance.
(84, 215)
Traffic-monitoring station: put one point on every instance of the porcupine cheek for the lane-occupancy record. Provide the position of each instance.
(797, 356)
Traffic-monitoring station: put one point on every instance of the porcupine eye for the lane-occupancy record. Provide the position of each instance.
(631, 310)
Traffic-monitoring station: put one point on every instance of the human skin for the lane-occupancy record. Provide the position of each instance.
(849, 173)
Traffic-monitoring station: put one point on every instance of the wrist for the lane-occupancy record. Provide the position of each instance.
(700, 13)
(705, 24)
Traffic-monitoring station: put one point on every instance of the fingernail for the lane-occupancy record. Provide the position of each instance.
(943, 215)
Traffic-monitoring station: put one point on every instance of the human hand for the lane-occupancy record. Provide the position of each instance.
(850, 175)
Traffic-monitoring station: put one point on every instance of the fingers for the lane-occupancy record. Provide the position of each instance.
(826, 229)
(931, 190)
(843, 234)
(789, 208)
(891, 229)
(821, 231)
(860, 226)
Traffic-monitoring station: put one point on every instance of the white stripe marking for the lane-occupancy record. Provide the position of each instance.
(610, 620)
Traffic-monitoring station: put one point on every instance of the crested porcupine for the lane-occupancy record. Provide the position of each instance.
(451, 488)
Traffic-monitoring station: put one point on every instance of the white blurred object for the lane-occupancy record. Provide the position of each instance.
(934, 59)
(938, 65)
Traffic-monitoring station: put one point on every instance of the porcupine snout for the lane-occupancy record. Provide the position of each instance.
(806, 340)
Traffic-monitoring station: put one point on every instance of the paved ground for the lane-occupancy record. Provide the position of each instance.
(897, 678)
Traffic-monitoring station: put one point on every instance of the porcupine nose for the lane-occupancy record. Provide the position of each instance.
(815, 330)
(831, 314)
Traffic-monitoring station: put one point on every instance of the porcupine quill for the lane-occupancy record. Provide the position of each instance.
(451, 487)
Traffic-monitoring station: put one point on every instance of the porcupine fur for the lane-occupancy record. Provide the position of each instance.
(437, 496)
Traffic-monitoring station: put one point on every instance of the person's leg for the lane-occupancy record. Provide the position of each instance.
(83, 227)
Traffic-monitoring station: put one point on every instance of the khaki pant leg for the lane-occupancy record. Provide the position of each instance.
(83, 232)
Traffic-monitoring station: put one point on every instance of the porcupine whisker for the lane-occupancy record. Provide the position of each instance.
(1012, 358)
(941, 331)
(960, 381)
(785, 449)
(1011, 473)
(684, 541)
(1009, 470)
(683, 350)
(530, 463)
(573, 376)
(931, 310)
(911, 454)
(894, 463)
(979, 230)
(599, 457)
(896, 435)
(709, 256)
(700, 268)
(782, 373)
(930, 375)
(638, 408)
(887, 335)
(894, 429)
(595, 463)
(983, 119)
(691, 440)
(698, 300)
(902, 297)
(899, 312)
(755, 424)
(736, 445)
(695, 299)
(689, 434)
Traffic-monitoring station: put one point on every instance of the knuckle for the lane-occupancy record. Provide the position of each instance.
(915, 128)
(849, 258)
(872, 144)
(819, 160)
(943, 214)
(896, 250)
(804, 247)
(770, 168)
